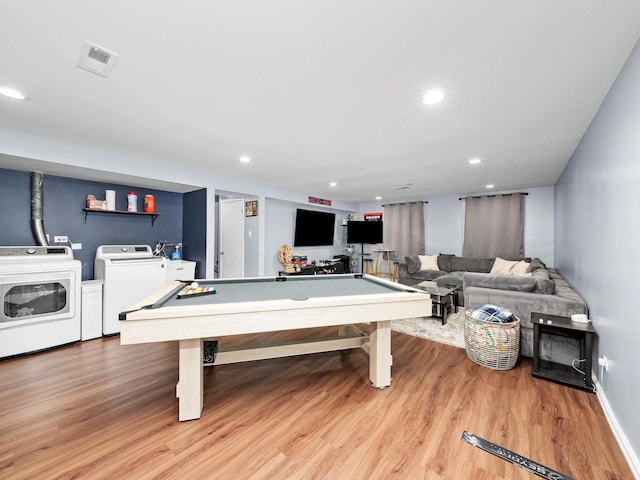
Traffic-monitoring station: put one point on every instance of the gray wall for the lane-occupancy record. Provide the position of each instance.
(597, 233)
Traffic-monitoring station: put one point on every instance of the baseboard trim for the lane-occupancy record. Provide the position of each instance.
(627, 450)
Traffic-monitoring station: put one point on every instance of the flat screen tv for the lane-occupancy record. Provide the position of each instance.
(364, 232)
(313, 228)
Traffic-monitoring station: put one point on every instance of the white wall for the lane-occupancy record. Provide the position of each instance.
(444, 223)
(597, 231)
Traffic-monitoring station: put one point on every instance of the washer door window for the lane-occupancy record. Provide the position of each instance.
(29, 300)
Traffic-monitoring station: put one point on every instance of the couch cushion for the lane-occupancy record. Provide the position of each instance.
(544, 283)
(469, 264)
(535, 264)
(452, 278)
(444, 262)
(428, 262)
(516, 283)
(419, 276)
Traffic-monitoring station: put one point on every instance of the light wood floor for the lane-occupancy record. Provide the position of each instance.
(100, 410)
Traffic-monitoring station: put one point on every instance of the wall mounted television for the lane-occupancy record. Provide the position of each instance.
(313, 228)
(364, 232)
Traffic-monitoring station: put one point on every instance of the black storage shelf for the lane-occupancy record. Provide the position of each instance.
(554, 325)
(564, 374)
(120, 212)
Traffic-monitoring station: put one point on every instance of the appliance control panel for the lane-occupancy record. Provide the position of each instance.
(14, 253)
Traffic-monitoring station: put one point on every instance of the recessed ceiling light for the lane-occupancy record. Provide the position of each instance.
(12, 93)
(378, 197)
(475, 161)
(491, 185)
(333, 184)
(433, 96)
(245, 159)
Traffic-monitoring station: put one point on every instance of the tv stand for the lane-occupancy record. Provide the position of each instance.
(362, 255)
(330, 269)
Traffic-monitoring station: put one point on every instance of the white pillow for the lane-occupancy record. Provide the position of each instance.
(428, 262)
(508, 267)
(520, 268)
(501, 266)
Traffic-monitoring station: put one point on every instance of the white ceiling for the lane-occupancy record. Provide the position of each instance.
(318, 91)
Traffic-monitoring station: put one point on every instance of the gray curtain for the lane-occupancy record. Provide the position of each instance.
(494, 226)
(403, 229)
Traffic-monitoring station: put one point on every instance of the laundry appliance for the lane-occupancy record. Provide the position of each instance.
(40, 292)
(130, 273)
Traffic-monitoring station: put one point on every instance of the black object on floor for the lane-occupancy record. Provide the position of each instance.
(209, 351)
(514, 458)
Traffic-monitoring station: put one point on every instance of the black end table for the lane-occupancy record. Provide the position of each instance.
(544, 323)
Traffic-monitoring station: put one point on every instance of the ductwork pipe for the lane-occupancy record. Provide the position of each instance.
(37, 225)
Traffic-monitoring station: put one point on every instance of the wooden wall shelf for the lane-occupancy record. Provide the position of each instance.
(120, 212)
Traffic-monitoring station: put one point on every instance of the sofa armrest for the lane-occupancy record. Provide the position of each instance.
(500, 282)
(523, 303)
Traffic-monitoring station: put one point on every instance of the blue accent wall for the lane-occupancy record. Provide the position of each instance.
(194, 227)
(64, 198)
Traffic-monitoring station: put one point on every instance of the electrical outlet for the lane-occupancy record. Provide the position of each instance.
(604, 363)
(76, 246)
(60, 239)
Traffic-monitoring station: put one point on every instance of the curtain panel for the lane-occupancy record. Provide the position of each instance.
(403, 229)
(494, 226)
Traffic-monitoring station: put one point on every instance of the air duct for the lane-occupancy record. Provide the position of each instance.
(37, 225)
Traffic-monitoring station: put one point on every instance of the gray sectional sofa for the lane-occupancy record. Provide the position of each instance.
(540, 289)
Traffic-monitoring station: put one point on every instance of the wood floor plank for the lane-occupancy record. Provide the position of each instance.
(101, 410)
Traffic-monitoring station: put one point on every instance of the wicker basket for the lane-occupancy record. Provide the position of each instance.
(491, 344)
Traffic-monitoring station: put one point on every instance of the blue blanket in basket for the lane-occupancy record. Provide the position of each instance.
(492, 313)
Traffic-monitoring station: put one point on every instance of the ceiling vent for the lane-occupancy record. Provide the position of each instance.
(96, 59)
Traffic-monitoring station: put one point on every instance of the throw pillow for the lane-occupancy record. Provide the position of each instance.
(413, 263)
(428, 262)
(501, 266)
(508, 267)
(520, 268)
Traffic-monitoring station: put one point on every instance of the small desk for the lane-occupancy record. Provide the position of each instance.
(269, 304)
(544, 323)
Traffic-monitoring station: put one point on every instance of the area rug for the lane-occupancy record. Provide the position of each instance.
(452, 333)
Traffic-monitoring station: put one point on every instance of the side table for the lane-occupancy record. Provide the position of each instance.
(442, 298)
(546, 324)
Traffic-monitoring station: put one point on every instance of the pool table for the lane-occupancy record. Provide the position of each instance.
(266, 304)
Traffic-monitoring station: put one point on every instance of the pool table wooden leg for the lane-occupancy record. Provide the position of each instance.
(190, 385)
(380, 359)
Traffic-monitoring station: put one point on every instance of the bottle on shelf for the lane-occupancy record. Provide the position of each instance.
(132, 202)
(149, 204)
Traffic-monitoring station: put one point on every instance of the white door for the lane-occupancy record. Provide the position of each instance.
(231, 238)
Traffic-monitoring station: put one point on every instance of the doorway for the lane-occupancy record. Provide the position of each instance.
(231, 228)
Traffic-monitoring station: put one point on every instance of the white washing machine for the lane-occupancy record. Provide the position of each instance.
(130, 273)
(40, 292)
